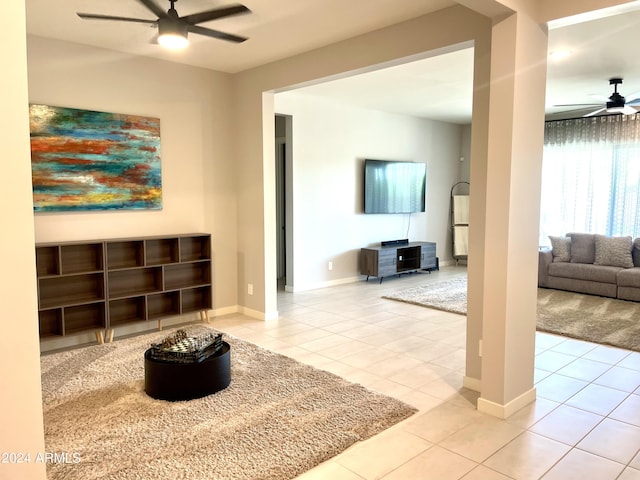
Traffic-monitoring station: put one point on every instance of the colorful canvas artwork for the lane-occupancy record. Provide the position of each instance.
(86, 160)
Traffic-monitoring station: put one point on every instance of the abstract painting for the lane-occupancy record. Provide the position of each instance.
(86, 160)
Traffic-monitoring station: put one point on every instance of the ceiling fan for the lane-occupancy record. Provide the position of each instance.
(615, 104)
(173, 29)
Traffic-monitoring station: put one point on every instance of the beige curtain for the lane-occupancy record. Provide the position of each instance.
(591, 176)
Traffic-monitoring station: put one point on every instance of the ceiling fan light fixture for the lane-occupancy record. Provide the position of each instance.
(172, 34)
(616, 109)
(174, 41)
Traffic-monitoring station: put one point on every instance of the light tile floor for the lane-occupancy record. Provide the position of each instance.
(584, 425)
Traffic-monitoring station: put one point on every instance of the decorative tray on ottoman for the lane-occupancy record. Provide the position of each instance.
(179, 348)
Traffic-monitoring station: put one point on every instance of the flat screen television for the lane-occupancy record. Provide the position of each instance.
(394, 187)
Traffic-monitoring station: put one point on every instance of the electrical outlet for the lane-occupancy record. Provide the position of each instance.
(480, 348)
(330, 265)
(250, 288)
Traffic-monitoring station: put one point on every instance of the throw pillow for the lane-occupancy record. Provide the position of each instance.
(614, 251)
(560, 248)
(635, 253)
(583, 247)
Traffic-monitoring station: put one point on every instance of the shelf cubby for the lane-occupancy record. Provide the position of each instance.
(135, 281)
(85, 317)
(81, 258)
(408, 258)
(127, 310)
(195, 248)
(71, 289)
(50, 322)
(184, 275)
(163, 305)
(47, 260)
(159, 251)
(196, 299)
(125, 254)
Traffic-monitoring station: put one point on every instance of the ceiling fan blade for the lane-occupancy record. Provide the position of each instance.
(579, 105)
(603, 109)
(216, 34)
(214, 14)
(628, 110)
(155, 9)
(634, 101)
(92, 16)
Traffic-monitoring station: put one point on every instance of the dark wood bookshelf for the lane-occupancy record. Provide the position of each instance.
(100, 285)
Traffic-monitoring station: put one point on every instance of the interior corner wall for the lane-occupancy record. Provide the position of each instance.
(330, 143)
(198, 176)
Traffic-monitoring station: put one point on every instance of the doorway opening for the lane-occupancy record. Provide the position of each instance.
(284, 204)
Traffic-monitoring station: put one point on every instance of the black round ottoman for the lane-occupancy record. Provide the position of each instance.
(185, 381)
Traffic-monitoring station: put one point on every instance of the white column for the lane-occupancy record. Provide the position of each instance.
(503, 276)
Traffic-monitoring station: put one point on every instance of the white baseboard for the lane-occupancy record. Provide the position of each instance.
(266, 316)
(218, 312)
(342, 281)
(472, 383)
(315, 286)
(505, 411)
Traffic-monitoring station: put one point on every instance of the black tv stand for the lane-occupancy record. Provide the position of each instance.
(387, 260)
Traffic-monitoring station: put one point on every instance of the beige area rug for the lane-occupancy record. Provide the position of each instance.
(596, 319)
(277, 419)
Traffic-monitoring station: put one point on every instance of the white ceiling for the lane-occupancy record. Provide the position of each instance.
(276, 28)
(439, 87)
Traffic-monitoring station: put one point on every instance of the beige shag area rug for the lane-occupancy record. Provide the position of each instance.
(595, 319)
(450, 296)
(277, 419)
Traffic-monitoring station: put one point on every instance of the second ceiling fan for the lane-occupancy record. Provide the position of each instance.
(615, 104)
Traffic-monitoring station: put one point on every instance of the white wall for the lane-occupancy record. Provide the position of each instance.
(254, 142)
(198, 178)
(330, 143)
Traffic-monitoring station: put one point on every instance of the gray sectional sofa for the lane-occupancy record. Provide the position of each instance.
(593, 264)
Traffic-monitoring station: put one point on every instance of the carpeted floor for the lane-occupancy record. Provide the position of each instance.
(277, 419)
(596, 319)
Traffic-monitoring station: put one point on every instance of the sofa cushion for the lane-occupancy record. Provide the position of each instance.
(560, 248)
(635, 253)
(583, 247)
(629, 277)
(613, 251)
(584, 271)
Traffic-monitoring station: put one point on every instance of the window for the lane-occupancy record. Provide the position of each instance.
(591, 176)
